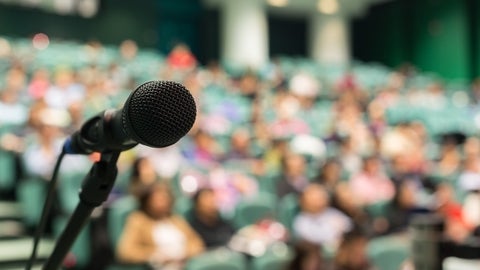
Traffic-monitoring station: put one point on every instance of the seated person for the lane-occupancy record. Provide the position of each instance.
(317, 222)
(371, 184)
(293, 178)
(206, 220)
(400, 209)
(154, 235)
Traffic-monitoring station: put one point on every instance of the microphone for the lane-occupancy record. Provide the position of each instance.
(156, 114)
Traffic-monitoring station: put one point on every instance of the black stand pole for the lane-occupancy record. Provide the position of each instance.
(95, 190)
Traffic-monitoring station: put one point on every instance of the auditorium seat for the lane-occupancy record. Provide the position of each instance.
(221, 259)
(251, 210)
(276, 257)
(7, 169)
(31, 194)
(117, 216)
(288, 208)
(388, 252)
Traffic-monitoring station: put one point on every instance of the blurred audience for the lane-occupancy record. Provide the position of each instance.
(345, 141)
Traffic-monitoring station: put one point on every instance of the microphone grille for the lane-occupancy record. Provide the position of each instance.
(159, 113)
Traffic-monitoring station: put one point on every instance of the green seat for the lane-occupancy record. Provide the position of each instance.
(7, 169)
(288, 208)
(69, 185)
(128, 267)
(81, 246)
(221, 259)
(378, 209)
(388, 252)
(31, 195)
(277, 257)
(117, 216)
(404, 113)
(268, 183)
(183, 205)
(123, 180)
(251, 210)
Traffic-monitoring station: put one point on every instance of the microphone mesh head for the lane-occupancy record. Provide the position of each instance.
(159, 113)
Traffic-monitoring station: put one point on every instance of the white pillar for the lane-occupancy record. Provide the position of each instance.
(329, 39)
(244, 33)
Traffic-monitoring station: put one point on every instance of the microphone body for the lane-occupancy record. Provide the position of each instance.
(103, 132)
(156, 114)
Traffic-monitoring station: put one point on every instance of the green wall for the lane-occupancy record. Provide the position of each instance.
(440, 38)
(434, 35)
(115, 21)
(380, 36)
(151, 23)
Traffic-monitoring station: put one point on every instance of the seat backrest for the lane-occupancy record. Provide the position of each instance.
(251, 210)
(31, 195)
(221, 259)
(117, 216)
(288, 208)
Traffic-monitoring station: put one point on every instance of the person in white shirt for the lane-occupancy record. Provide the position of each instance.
(317, 222)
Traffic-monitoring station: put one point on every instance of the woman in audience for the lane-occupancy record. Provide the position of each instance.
(205, 219)
(153, 235)
(371, 185)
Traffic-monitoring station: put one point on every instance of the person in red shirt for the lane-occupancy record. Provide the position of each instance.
(182, 58)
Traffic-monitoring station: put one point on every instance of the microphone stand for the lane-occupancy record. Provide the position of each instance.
(95, 190)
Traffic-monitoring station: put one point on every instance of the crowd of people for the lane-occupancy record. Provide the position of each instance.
(331, 145)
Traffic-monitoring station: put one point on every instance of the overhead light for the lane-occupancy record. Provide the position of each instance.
(278, 3)
(328, 6)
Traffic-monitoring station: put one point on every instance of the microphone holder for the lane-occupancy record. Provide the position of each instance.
(95, 190)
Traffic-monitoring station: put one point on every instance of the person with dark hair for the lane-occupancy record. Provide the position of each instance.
(400, 210)
(344, 201)
(206, 220)
(330, 174)
(143, 175)
(154, 235)
(352, 252)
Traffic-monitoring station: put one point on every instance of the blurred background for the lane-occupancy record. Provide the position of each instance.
(330, 134)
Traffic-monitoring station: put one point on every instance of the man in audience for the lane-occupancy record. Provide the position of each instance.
(293, 178)
(205, 219)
